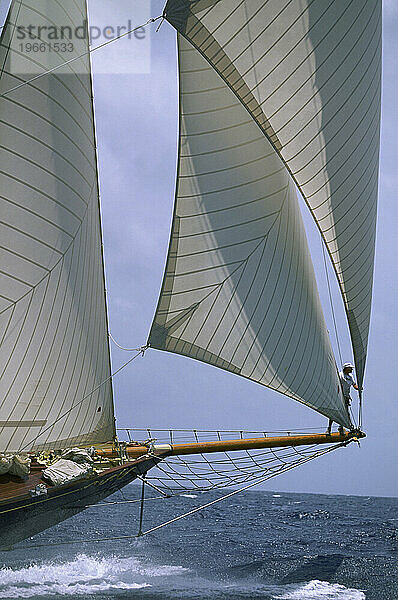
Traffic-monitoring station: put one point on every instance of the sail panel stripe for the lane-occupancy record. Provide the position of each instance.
(8, 97)
(239, 288)
(19, 106)
(53, 338)
(270, 48)
(41, 142)
(371, 68)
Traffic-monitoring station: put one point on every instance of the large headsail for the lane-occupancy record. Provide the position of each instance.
(239, 289)
(53, 325)
(308, 71)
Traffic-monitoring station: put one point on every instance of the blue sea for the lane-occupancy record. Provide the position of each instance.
(268, 545)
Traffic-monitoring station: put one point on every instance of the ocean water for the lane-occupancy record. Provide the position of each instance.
(266, 545)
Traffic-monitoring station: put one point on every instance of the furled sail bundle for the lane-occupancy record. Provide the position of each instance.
(308, 73)
(239, 290)
(53, 325)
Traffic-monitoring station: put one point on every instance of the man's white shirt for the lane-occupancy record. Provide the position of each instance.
(346, 382)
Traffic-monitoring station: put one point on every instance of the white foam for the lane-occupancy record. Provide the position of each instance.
(317, 590)
(276, 495)
(78, 589)
(189, 495)
(84, 575)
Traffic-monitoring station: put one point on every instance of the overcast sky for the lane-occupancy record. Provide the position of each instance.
(136, 117)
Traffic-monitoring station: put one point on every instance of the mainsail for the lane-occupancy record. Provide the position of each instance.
(308, 73)
(53, 324)
(272, 95)
(239, 288)
(259, 115)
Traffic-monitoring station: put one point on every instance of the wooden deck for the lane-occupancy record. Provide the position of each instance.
(14, 487)
(11, 486)
(22, 516)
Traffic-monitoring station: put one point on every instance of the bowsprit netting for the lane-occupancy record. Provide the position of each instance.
(217, 470)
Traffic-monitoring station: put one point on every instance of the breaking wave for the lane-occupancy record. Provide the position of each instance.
(84, 575)
(316, 514)
(317, 590)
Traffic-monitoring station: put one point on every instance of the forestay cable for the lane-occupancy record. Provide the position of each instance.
(336, 333)
(141, 351)
(319, 90)
(225, 468)
(121, 347)
(246, 487)
(208, 504)
(90, 51)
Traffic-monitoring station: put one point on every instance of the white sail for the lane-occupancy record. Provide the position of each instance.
(53, 324)
(239, 289)
(309, 74)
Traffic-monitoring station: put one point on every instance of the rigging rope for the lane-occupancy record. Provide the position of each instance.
(246, 487)
(141, 351)
(101, 504)
(336, 333)
(67, 62)
(221, 469)
(161, 22)
(121, 347)
(286, 468)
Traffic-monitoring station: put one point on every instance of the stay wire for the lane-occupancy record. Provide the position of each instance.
(121, 347)
(68, 62)
(141, 352)
(246, 487)
(129, 537)
(101, 504)
(336, 333)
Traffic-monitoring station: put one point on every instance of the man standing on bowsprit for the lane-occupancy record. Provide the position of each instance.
(346, 381)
